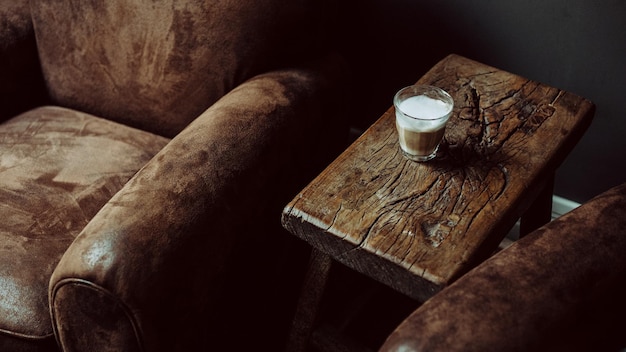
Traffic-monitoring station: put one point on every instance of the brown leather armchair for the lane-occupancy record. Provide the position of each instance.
(143, 145)
(561, 288)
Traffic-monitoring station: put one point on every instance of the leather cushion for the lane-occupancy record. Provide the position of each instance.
(58, 167)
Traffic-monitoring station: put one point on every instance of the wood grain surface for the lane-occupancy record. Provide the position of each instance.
(417, 226)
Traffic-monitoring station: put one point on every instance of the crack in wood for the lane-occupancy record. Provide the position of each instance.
(410, 196)
(332, 222)
(558, 96)
(479, 74)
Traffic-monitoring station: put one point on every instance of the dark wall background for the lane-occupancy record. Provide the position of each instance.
(576, 45)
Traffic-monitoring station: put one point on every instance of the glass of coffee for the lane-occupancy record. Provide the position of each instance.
(421, 115)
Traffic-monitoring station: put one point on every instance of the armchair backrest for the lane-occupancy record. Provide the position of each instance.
(157, 64)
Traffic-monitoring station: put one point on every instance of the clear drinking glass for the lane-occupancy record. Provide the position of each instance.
(422, 112)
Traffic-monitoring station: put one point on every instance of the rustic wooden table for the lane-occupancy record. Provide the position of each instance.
(416, 227)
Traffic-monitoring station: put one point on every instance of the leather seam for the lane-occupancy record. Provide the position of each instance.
(30, 337)
(100, 289)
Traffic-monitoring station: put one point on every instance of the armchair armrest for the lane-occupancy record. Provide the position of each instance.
(560, 288)
(22, 85)
(146, 271)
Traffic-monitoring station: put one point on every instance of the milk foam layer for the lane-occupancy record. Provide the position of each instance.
(422, 113)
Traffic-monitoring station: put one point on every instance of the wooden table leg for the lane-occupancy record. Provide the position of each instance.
(309, 301)
(540, 211)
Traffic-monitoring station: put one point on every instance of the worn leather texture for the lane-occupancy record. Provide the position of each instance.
(561, 288)
(135, 61)
(107, 246)
(58, 167)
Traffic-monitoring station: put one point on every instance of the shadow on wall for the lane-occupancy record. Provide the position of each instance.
(390, 49)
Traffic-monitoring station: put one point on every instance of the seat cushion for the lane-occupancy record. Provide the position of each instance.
(58, 167)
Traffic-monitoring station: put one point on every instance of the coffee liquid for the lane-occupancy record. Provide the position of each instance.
(420, 143)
